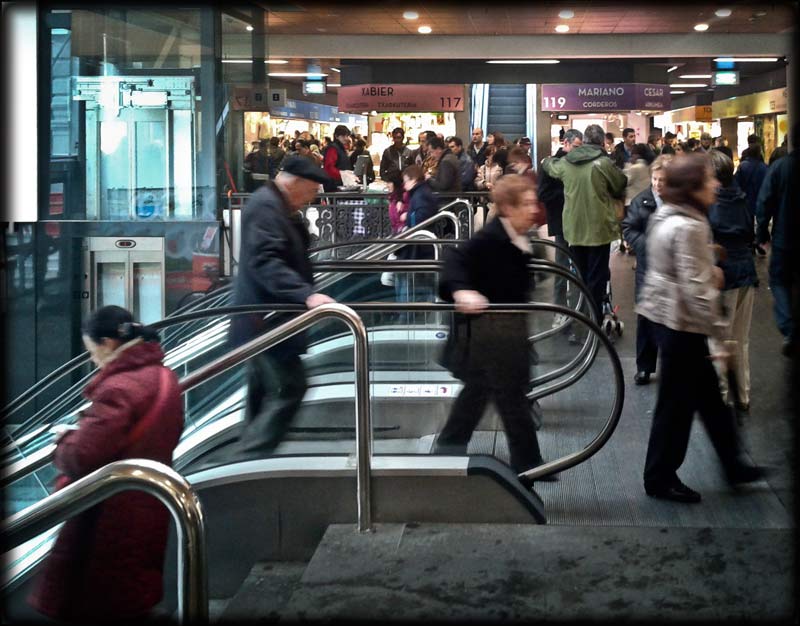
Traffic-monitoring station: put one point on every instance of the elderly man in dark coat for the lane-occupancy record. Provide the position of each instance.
(274, 269)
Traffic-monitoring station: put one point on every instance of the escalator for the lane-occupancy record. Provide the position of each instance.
(506, 110)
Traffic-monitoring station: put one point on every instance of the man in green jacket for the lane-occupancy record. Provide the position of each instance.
(591, 184)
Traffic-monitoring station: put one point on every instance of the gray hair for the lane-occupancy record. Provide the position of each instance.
(572, 134)
(594, 134)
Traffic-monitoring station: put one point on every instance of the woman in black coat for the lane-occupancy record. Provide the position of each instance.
(634, 230)
(489, 352)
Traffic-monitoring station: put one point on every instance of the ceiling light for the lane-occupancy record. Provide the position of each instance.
(276, 61)
(410, 15)
(334, 84)
(689, 85)
(297, 74)
(743, 117)
(672, 69)
(237, 60)
(566, 14)
(674, 93)
(746, 59)
(336, 69)
(562, 28)
(425, 30)
(248, 28)
(525, 61)
(723, 12)
(701, 27)
(695, 76)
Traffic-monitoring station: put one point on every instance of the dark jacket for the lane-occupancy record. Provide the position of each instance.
(108, 561)
(422, 205)
(777, 201)
(749, 177)
(393, 162)
(732, 225)
(467, 171)
(273, 265)
(448, 174)
(551, 195)
(334, 161)
(634, 230)
(478, 156)
(620, 156)
(492, 265)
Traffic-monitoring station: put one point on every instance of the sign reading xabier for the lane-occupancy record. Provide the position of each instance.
(605, 97)
(401, 98)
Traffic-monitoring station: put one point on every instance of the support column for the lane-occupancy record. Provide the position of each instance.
(209, 175)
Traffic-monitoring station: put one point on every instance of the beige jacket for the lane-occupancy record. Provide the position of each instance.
(678, 289)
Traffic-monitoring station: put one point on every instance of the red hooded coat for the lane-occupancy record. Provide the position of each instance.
(107, 562)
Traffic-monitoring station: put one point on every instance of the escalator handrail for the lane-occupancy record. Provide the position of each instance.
(546, 469)
(145, 475)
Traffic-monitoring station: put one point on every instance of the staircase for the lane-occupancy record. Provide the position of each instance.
(506, 111)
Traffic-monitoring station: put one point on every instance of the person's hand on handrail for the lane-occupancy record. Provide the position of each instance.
(469, 301)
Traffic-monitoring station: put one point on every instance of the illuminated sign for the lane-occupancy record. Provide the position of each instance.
(725, 78)
(314, 87)
(401, 98)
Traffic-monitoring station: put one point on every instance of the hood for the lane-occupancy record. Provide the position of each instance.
(585, 153)
(727, 195)
(138, 355)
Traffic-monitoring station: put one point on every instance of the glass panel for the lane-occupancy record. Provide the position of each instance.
(110, 284)
(147, 296)
(183, 163)
(151, 169)
(115, 170)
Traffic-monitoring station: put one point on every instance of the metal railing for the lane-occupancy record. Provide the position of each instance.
(152, 478)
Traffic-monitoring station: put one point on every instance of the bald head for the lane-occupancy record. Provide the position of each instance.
(477, 136)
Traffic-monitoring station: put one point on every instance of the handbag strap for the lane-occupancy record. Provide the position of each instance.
(161, 400)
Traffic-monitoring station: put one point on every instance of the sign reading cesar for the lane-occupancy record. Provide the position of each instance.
(401, 98)
(580, 97)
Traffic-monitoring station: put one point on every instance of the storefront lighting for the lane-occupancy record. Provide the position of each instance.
(684, 85)
(723, 12)
(701, 27)
(296, 74)
(746, 59)
(410, 15)
(525, 61)
(695, 76)
(562, 28)
(566, 14)
(743, 117)
(424, 30)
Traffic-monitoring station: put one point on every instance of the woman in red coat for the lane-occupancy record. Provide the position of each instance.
(107, 562)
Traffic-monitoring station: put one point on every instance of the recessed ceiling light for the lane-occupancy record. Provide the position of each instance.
(566, 14)
(674, 93)
(276, 61)
(525, 61)
(336, 69)
(248, 28)
(723, 12)
(689, 85)
(425, 30)
(701, 27)
(695, 76)
(746, 59)
(304, 74)
(562, 28)
(672, 69)
(410, 15)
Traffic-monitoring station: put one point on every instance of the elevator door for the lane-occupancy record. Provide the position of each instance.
(127, 272)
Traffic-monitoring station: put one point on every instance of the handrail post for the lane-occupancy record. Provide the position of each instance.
(153, 478)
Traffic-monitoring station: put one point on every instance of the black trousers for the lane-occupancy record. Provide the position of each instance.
(646, 345)
(479, 387)
(276, 385)
(688, 383)
(592, 262)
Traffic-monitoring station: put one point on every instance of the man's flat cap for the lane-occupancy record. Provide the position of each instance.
(304, 168)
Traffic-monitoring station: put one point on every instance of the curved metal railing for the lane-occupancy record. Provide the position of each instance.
(144, 475)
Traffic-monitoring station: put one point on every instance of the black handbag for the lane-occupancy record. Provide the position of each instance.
(455, 353)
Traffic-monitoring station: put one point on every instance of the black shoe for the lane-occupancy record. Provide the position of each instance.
(642, 378)
(677, 493)
(745, 474)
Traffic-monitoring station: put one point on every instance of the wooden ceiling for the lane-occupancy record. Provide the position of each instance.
(488, 18)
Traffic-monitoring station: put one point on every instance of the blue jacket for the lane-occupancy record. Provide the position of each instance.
(777, 197)
(732, 225)
(749, 177)
(422, 205)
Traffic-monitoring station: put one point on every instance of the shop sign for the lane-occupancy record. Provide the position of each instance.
(401, 98)
(300, 110)
(761, 103)
(256, 98)
(605, 97)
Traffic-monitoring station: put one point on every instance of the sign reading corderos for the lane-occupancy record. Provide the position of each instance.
(601, 97)
(400, 98)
